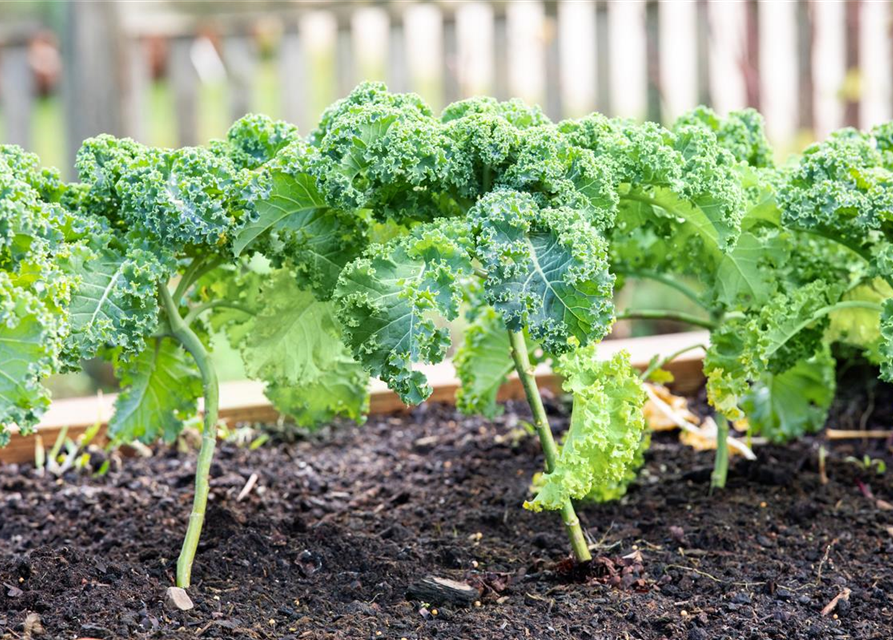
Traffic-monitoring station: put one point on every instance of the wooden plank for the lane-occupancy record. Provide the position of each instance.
(450, 60)
(752, 54)
(240, 59)
(702, 37)
(344, 56)
(245, 401)
(851, 115)
(17, 88)
(652, 61)
(500, 52)
(184, 81)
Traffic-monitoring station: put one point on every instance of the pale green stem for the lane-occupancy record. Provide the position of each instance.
(213, 304)
(642, 274)
(547, 440)
(660, 364)
(661, 314)
(824, 311)
(721, 461)
(193, 344)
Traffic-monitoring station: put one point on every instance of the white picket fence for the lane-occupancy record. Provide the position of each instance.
(808, 65)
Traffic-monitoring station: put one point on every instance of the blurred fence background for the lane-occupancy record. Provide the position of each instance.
(168, 72)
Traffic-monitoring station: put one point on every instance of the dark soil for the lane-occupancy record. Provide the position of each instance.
(339, 526)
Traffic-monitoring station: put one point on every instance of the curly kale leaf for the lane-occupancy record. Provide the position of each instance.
(741, 133)
(730, 364)
(840, 189)
(114, 302)
(161, 386)
(342, 391)
(375, 148)
(101, 162)
(483, 362)
(547, 270)
(317, 240)
(254, 140)
(788, 405)
(606, 428)
(791, 327)
(189, 196)
(295, 338)
(29, 345)
(386, 300)
(562, 175)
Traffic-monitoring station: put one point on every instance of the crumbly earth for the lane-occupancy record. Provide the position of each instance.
(340, 524)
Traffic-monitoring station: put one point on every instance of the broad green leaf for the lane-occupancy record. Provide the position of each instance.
(860, 327)
(291, 196)
(295, 338)
(386, 301)
(788, 405)
(606, 428)
(483, 362)
(547, 270)
(730, 364)
(115, 303)
(747, 274)
(161, 386)
(28, 349)
(342, 391)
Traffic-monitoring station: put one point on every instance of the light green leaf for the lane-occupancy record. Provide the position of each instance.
(788, 405)
(606, 428)
(342, 391)
(483, 362)
(28, 349)
(115, 302)
(295, 337)
(161, 386)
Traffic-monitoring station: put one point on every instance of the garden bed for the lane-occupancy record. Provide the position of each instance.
(340, 525)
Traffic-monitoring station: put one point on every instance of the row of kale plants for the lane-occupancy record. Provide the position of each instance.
(334, 257)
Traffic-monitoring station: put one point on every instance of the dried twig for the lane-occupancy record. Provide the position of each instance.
(857, 434)
(843, 595)
(685, 425)
(247, 488)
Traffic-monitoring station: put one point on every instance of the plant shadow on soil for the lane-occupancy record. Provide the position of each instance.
(341, 523)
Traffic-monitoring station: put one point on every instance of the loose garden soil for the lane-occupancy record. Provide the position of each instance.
(339, 525)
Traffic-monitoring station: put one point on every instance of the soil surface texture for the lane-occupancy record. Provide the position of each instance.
(340, 525)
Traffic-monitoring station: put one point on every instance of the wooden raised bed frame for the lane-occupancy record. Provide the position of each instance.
(245, 401)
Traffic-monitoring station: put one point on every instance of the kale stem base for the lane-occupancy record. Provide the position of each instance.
(547, 441)
(193, 344)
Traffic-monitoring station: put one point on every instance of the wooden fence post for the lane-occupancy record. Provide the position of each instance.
(554, 106)
(702, 52)
(398, 76)
(293, 77)
(184, 82)
(18, 86)
(93, 78)
(602, 58)
(851, 114)
(652, 60)
(240, 59)
(806, 88)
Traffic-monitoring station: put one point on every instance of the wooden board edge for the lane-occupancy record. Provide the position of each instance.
(245, 402)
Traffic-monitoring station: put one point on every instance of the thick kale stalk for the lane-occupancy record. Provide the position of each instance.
(525, 371)
(180, 331)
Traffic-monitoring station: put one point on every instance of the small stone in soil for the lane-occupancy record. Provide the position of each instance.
(442, 591)
(176, 598)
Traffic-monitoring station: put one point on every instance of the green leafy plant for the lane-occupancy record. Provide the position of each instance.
(343, 255)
